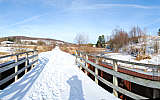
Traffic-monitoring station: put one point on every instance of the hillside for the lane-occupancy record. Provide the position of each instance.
(30, 38)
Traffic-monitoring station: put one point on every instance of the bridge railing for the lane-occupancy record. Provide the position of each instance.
(15, 64)
(83, 61)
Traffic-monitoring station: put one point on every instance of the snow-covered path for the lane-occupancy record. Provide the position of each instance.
(56, 77)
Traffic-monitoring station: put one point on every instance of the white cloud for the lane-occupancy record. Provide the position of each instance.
(104, 6)
(24, 21)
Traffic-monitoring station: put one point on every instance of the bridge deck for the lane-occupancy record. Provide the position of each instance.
(56, 77)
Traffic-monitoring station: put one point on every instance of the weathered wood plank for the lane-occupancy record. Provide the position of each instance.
(122, 61)
(32, 56)
(11, 65)
(14, 74)
(16, 68)
(119, 89)
(16, 54)
(115, 79)
(140, 81)
(26, 62)
(15, 64)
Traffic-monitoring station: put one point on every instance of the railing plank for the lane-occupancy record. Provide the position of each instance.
(15, 64)
(122, 61)
(115, 79)
(119, 89)
(11, 66)
(140, 81)
(26, 63)
(16, 54)
(16, 67)
(14, 74)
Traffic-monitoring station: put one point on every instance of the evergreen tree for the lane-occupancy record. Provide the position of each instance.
(101, 42)
(159, 32)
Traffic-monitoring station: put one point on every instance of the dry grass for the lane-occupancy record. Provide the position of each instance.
(19, 50)
(44, 48)
(71, 49)
(142, 57)
(3, 53)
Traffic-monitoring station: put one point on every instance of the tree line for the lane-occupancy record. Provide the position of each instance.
(122, 38)
(117, 39)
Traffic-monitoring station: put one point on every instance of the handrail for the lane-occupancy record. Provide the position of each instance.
(14, 74)
(119, 89)
(29, 62)
(82, 60)
(122, 61)
(16, 54)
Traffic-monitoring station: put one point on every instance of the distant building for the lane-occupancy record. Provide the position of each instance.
(94, 45)
(7, 42)
(28, 41)
(59, 42)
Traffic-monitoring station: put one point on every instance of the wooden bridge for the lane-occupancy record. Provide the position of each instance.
(64, 80)
(125, 83)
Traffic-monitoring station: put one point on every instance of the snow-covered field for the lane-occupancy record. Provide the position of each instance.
(12, 49)
(6, 49)
(56, 77)
(154, 60)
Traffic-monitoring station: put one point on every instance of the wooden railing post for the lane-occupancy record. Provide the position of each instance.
(16, 68)
(156, 93)
(81, 61)
(26, 63)
(86, 64)
(115, 80)
(76, 54)
(37, 57)
(96, 71)
(32, 60)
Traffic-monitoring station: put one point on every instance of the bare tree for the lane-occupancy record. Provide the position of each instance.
(81, 39)
(135, 33)
(120, 39)
(156, 47)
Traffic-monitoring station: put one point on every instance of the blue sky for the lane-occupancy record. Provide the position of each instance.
(63, 19)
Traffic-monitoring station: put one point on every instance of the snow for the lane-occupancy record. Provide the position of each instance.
(155, 59)
(6, 49)
(56, 77)
(120, 56)
(12, 49)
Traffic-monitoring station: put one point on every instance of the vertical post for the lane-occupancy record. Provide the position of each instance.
(86, 64)
(115, 80)
(96, 71)
(156, 93)
(16, 68)
(81, 61)
(76, 56)
(37, 57)
(26, 63)
(32, 60)
(101, 72)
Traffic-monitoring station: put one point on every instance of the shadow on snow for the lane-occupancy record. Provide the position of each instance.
(19, 89)
(76, 91)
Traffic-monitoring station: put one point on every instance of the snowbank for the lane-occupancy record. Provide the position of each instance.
(155, 60)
